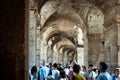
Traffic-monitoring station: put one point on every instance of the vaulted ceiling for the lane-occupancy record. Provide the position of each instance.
(60, 20)
(102, 4)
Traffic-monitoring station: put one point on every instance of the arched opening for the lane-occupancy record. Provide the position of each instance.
(71, 24)
(65, 24)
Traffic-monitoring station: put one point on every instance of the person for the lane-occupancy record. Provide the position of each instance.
(90, 74)
(103, 75)
(67, 69)
(44, 71)
(115, 75)
(96, 71)
(83, 71)
(70, 73)
(50, 72)
(34, 73)
(76, 75)
(55, 72)
(63, 75)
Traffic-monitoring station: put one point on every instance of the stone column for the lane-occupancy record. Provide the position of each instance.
(61, 56)
(80, 55)
(70, 56)
(65, 57)
(50, 51)
(55, 54)
(49, 55)
(118, 24)
(38, 47)
(32, 38)
(85, 50)
(38, 35)
(43, 51)
(95, 48)
(60, 60)
(75, 56)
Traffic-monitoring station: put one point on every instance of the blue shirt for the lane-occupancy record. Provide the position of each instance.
(104, 76)
(44, 71)
(113, 77)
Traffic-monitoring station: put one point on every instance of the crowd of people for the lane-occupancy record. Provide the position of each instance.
(73, 71)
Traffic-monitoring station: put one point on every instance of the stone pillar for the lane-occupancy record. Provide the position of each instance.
(80, 55)
(32, 38)
(65, 57)
(70, 56)
(43, 51)
(85, 50)
(38, 47)
(55, 54)
(95, 48)
(49, 52)
(118, 24)
(75, 56)
(61, 56)
(47, 48)
(38, 36)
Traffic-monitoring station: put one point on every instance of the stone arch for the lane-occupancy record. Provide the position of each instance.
(65, 47)
(61, 37)
(55, 14)
(51, 32)
(50, 24)
(53, 8)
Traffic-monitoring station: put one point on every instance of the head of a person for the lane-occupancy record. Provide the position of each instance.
(73, 63)
(102, 67)
(33, 70)
(95, 69)
(50, 64)
(90, 67)
(55, 65)
(116, 72)
(41, 64)
(83, 68)
(76, 68)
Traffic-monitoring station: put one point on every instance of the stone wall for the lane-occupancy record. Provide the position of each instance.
(111, 47)
(12, 39)
(111, 37)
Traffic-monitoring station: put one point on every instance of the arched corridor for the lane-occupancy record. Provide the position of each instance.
(59, 24)
(58, 31)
